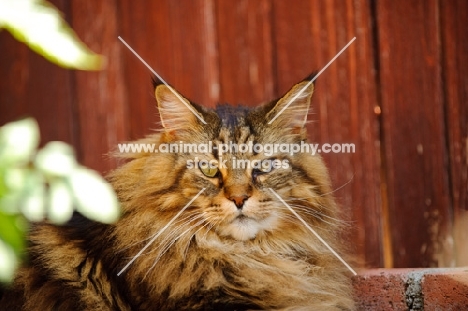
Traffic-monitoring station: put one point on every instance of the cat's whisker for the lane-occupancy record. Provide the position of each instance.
(288, 217)
(199, 217)
(166, 248)
(170, 237)
(171, 240)
(215, 223)
(160, 232)
(314, 232)
(339, 188)
(151, 236)
(191, 237)
(208, 230)
(183, 222)
(323, 194)
(309, 201)
(189, 229)
(315, 212)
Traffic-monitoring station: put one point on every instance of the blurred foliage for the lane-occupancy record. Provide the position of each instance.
(43, 184)
(39, 24)
(46, 184)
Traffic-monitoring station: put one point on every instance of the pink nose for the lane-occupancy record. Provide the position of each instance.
(239, 200)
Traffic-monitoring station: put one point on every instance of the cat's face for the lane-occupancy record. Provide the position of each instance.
(240, 165)
(222, 230)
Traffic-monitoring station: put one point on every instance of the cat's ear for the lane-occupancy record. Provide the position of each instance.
(290, 111)
(176, 112)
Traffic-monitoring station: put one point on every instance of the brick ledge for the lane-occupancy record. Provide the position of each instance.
(412, 289)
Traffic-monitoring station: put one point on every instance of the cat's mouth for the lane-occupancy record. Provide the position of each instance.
(241, 218)
(244, 226)
(241, 227)
(245, 218)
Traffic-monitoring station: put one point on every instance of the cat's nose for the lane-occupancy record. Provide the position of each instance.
(239, 200)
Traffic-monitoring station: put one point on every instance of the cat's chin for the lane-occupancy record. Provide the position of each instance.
(242, 229)
(246, 228)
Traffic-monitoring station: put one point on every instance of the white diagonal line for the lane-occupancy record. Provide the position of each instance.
(160, 232)
(162, 80)
(311, 81)
(313, 231)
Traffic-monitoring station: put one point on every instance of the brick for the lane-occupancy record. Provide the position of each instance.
(445, 290)
(380, 289)
(412, 289)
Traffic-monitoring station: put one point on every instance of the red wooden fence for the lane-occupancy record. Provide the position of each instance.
(399, 93)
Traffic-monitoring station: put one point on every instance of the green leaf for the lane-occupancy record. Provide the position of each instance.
(93, 196)
(11, 202)
(38, 24)
(3, 186)
(12, 231)
(18, 141)
(56, 158)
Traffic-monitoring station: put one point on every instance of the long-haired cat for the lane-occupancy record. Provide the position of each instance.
(235, 247)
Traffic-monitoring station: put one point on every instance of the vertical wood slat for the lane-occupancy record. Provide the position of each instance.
(245, 51)
(14, 77)
(149, 35)
(413, 127)
(364, 130)
(308, 35)
(178, 40)
(32, 86)
(195, 56)
(100, 95)
(454, 15)
(295, 47)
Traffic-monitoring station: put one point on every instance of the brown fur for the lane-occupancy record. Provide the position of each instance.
(207, 259)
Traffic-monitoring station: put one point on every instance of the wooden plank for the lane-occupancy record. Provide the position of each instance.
(194, 51)
(32, 86)
(149, 35)
(413, 124)
(455, 65)
(178, 41)
(294, 45)
(308, 35)
(99, 96)
(244, 37)
(14, 76)
(364, 131)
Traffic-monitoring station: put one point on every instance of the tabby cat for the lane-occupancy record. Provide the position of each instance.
(235, 247)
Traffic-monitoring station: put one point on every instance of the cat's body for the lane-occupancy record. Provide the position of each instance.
(236, 247)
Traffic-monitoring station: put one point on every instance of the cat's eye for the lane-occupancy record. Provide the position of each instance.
(208, 170)
(264, 167)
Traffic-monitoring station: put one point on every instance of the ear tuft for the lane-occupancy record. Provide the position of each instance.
(177, 113)
(290, 111)
(155, 81)
(310, 77)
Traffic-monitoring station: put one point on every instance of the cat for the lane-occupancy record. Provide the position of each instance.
(235, 247)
